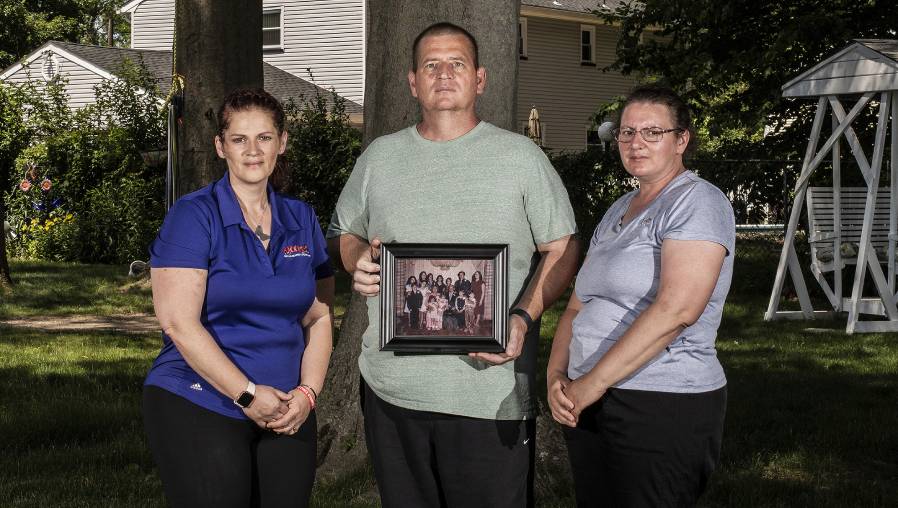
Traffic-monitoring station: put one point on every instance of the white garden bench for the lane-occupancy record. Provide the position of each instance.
(824, 237)
(833, 248)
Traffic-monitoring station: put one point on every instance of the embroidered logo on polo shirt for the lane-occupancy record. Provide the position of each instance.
(292, 251)
(196, 386)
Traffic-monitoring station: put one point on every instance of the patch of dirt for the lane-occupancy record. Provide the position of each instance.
(125, 323)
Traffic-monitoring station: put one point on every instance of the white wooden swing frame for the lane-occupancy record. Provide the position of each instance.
(885, 301)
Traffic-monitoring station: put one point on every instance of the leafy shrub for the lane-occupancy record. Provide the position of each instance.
(120, 219)
(594, 179)
(92, 156)
(52, 239)
(321, 152)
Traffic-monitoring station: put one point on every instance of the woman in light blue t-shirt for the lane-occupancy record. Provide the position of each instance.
(633, 373)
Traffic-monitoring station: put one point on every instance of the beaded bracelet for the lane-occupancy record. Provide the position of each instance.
(312, 389)
(308, 394)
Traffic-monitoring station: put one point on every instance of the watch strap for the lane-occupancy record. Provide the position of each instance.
(517, 311)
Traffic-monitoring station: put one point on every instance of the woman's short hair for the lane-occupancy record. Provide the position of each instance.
(245, 99)
(665, 96)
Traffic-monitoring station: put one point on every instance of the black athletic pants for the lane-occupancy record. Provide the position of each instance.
(637, 448)
(210, 460)
(424, 459)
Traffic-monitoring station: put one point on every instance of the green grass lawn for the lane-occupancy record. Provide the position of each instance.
(812, 417)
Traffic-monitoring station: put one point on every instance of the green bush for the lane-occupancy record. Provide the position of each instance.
(92, 157)
(120, 219)
(322, 148)
(52, 239)
(594, 179)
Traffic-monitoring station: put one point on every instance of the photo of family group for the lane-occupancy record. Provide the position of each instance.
(444, 297)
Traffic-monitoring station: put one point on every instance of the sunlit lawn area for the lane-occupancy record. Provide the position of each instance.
(812, 417)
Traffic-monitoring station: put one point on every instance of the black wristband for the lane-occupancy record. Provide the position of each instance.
(517, 311)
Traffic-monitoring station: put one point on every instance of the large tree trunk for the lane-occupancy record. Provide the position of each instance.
(218, 48)
(393, 26)
(389, 106)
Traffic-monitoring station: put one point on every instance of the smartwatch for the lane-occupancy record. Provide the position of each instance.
(245, 399)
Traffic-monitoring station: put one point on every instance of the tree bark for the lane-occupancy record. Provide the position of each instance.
(218, 48)
(389, 106)
(393, 26)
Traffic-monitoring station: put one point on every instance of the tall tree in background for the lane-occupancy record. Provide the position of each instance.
(103, 24)
(25, 25)
(218, 48)
(389, 106)
(730, 60)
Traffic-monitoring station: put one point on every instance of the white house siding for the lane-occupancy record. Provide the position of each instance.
(565, 92)
(81, 81)
(153, 25)
(327, 36)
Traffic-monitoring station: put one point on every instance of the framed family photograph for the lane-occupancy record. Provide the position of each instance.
(443, 298)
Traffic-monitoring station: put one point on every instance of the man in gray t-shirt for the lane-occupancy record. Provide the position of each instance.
(455, 429)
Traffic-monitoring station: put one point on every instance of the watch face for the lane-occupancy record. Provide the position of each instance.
(245, 399)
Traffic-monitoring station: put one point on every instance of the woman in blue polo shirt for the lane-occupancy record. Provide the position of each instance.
(243, 289)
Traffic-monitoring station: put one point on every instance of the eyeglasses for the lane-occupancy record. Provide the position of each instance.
(650, 134)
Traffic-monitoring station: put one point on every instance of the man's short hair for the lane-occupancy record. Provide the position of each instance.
(444, 28)
(461, 273)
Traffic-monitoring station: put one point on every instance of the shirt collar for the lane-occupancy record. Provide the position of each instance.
(231, 213)
(228, 206)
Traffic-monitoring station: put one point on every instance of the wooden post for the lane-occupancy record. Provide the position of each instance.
(800, 190)
(837, 220)
(866, 257)
(893, 195)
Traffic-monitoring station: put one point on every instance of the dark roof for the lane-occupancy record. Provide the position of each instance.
(572, 5)
(887, 47)
(279, 83)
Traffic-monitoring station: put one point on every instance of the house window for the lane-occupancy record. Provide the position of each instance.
(273, 28)
(522, 37)
(587, 44)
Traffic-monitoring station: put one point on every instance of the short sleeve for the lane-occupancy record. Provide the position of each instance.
(701, 213)
(351, 213)
(185, 239)
(546, 202)
(320, 259)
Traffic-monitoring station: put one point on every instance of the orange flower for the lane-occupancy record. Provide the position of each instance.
(46, 184)
(25, 185)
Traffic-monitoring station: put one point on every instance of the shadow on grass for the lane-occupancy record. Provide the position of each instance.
(71, 428)
(811, 416)
(44, 288)
(71, 432)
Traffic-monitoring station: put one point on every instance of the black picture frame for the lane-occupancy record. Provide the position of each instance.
(402, 337)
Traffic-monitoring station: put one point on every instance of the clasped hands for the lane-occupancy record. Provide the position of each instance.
(366, 280)
(277, 411)
(567, 399)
